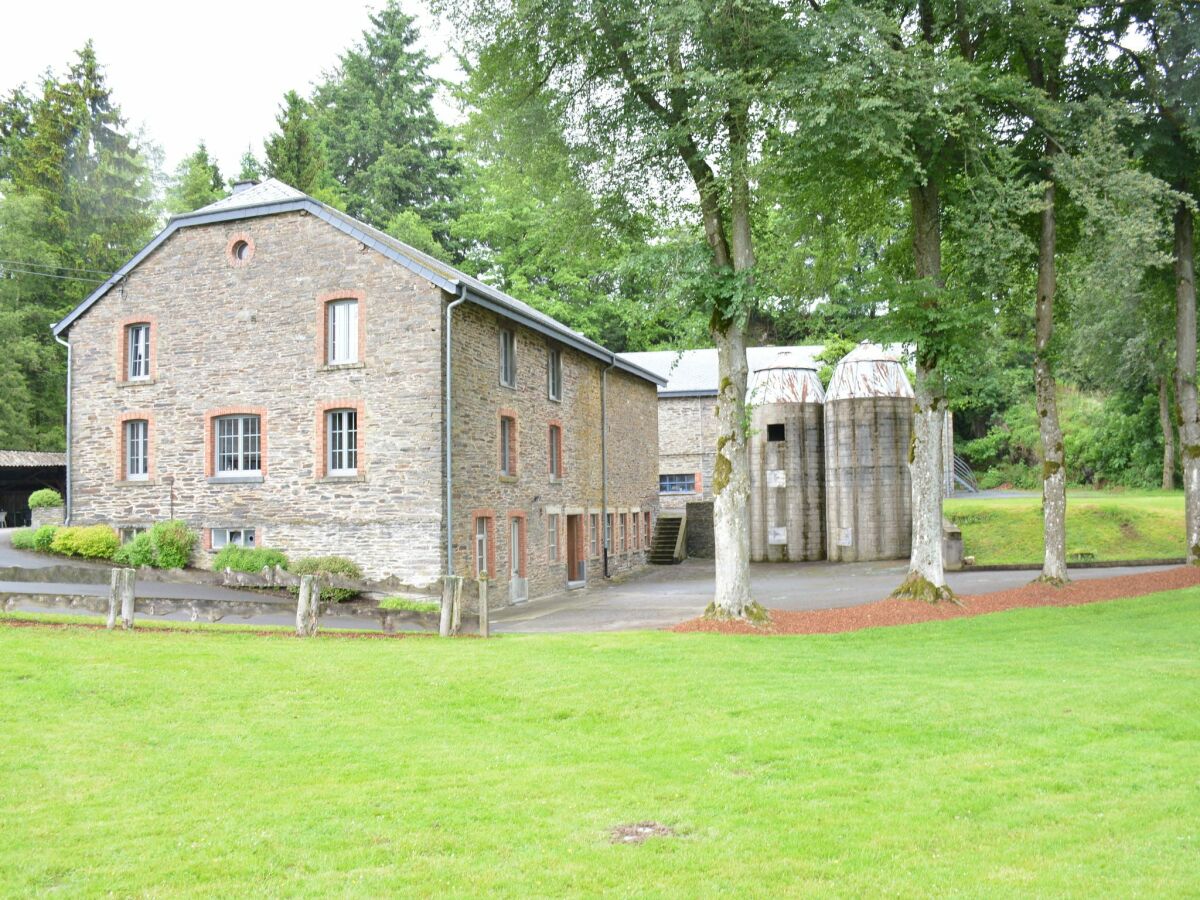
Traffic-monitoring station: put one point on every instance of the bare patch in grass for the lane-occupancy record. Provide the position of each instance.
(639, 832)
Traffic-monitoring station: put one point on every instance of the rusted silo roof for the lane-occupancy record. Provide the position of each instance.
(868, 371)
(786, 379)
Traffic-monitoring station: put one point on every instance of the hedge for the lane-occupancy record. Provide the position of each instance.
(88, 542)
(22, 539)
(44, 537)
(247, 559)
(45, 499)
(329, 565)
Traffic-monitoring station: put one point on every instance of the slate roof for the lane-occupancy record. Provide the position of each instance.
(693, 373)
(273, 197)
(31, 459)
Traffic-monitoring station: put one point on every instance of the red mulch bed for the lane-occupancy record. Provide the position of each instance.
(909, 612)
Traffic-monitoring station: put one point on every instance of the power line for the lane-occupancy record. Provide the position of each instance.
(37, 265)
(52, 275)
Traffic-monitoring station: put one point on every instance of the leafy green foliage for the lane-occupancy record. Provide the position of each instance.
(329, 565)
(296, 154)
(43, 538)
(248, 559)
(45, 498)
(22, 539)
(88, 542)
(197, 183)
(172, 543)
(137, 552)
(409, 604)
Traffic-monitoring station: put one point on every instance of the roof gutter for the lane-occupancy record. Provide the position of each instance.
(67, 499)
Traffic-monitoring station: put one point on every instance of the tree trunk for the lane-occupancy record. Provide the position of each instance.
(1054, 476)
(1168, 433)
(926, 578)
(1185, 373)
(731, 480)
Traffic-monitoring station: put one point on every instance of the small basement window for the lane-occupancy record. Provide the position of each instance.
(239, 537)
(775, 432)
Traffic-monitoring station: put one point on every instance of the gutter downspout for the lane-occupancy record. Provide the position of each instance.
(462, 296)
(604, 460)
(67, 517)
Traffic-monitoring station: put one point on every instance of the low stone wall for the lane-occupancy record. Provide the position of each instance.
(46, 515)
(700, 541)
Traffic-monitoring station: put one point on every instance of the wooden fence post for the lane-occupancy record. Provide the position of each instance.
(446, 622)
(308, 607)
(120, 598)
(484, 624)
(114, 599)
(456, 618)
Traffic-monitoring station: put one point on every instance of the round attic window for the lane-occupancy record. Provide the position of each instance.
(240, 249)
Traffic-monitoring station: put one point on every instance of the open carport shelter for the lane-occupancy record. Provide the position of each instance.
(21, 473)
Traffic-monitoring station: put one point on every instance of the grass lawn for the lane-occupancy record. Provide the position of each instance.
(1128, 525)
(1048, 751)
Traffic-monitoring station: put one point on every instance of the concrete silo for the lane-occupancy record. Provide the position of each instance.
(787, 502)
(868, 431)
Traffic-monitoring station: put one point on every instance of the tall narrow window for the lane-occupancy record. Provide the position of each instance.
(508, 358)
(554, 374)
(552, 537)
(341, 426)
(238, 445)
(137, 450)
(555, 451)
(646, 523)
(508, 445)
(342, 329)
(608, 532)
(481, 546)
(595, 527)
(138, 352)
(516, 549)
(624, 532)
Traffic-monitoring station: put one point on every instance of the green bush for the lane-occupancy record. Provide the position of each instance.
(247, 559)
(409, 604)
(88, 542)
(22, 539)
(43, 538)
(172, 543)
(45, 498)
(136, 552)
(329, 565)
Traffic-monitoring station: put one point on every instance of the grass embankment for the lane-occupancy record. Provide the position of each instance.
(1110, 526)
(1047, 751)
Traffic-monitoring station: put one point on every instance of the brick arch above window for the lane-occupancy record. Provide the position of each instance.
(231, 248)
(323, 301)
(210, 435)
(321, 461)
(120, 447)
(123, 346)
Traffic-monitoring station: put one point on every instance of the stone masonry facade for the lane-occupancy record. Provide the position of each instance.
(687, 441)
(245, 334)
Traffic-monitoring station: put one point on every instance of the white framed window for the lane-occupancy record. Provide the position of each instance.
(508, 358)
(481, 545)
(552, 537)
(341, 434)
(555, 451)
(624, 532)
(554, 374)
(608, 532)
(342, 331)
(138, 351)
(238, 446)
(595, 535)
(137, 450)
(508, 458)
(239, 537)
(515, 550)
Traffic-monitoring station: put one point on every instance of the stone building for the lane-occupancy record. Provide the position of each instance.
(275, 373)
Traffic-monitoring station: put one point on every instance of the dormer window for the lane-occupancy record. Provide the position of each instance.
(137, 339)
(342, 332)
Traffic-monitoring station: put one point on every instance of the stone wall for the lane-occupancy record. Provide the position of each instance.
(46, 515)
(687, 444)
(701, 543)
(532, 496)
(231, 335)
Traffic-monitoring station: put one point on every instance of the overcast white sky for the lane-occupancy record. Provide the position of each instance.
(214, 71)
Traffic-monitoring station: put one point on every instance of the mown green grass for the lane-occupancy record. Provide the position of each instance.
(1042, 751)
(1111, 526)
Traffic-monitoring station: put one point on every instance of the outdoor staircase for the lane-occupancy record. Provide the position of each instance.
(669, 535)
(963, 476)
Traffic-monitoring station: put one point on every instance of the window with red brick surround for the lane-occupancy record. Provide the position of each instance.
(323, 301)
(235, 255)
(210, 435)
(121, 448)
(518, 516)
(507, 442)
(554, 448)
(123, 347)
(649, 531)
(488, 518)
(321, 467)
(636, 533)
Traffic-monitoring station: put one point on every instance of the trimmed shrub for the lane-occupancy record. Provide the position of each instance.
(22, 539)
(247, 559)
(172, 543)
(410, 605)
(136, 552)
(329, 565)
(43, 538)
(88, 542)
(45, 498)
